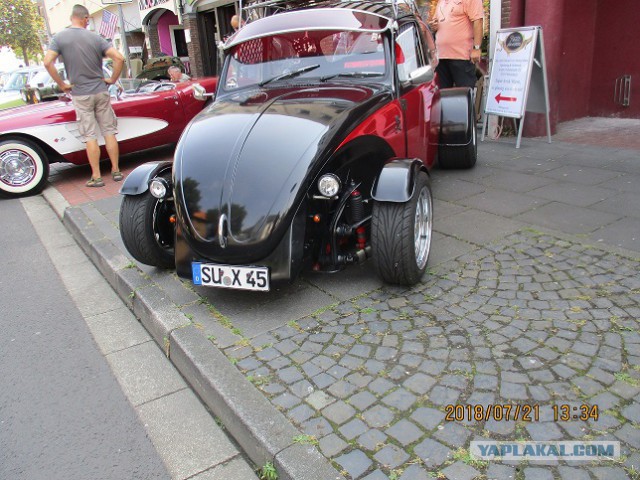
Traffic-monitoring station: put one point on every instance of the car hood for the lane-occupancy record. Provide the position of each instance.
(30, 115)
(244, 164)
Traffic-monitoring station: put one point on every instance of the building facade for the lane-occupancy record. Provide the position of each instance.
(591, 56)
(592, 66)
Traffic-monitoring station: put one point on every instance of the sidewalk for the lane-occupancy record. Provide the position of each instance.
(69, 180)
(532, 296)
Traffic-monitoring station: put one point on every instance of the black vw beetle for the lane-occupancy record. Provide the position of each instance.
(315, 154)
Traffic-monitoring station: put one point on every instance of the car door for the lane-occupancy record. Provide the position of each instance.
(416, 100)
(149, 119)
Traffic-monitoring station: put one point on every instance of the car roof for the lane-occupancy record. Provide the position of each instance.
(29, 69)
(345, 15)
(386, 8)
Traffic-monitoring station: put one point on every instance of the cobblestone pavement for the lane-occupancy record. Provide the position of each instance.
(531, 320)
(508, 315)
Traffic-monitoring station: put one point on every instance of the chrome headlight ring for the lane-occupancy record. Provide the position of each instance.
(329, 185)
(159, 187)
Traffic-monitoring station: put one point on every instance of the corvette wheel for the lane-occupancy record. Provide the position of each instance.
(146, 230)
(401, 235)
(24, 168)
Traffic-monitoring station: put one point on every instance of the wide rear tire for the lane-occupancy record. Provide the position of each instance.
(401, 235)
(146, 231)
(464, 156)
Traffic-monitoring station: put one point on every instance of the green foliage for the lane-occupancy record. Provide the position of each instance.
(625, 377)
(12, 103)
(268, 472)
(21, 27)
(464, 455)
(305, 439)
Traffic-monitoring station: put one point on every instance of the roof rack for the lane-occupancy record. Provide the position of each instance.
(262, 8)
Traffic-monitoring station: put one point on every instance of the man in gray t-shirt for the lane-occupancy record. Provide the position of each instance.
(82, 52)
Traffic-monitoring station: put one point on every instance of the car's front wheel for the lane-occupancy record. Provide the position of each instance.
(146, 229)
(401, 235)
(24, 168)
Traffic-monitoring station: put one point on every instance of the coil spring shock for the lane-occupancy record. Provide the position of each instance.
(357, 214)
(356, 206)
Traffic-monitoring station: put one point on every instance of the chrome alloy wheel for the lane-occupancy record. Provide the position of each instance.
(423, 224)
(17, 168)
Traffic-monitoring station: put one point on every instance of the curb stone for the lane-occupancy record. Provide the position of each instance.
(260, 429)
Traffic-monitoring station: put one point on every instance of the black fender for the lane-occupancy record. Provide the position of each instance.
(396, 180)
(456, 117)
(137, 182)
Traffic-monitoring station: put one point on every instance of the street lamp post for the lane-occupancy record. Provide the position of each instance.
(123, 33)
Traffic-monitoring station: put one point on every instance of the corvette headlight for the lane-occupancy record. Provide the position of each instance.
(329, 185)
(158, 187)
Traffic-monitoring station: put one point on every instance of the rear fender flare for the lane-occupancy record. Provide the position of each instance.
(396, 180)
(137, 182)
(456, 122)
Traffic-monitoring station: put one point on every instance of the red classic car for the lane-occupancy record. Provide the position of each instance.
(33, 136)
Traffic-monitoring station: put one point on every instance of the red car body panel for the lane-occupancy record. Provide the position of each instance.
(386, 124)
(145, 120)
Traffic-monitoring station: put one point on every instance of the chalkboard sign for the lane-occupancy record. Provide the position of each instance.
(517, 78)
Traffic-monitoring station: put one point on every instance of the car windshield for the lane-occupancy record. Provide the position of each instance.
(307, 55)
(17, 81)
(138, 85)
(41, 77)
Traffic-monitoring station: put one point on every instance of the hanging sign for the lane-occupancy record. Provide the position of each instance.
(518, 78)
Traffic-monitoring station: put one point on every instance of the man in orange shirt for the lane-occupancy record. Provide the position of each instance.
(458, 27)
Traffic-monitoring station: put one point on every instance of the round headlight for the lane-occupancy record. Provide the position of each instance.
(158, 187)
(329, 185)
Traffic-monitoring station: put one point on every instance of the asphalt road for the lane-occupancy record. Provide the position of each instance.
(62, 412)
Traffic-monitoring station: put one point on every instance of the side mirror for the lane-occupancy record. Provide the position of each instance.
(421, 75)
(199, 93)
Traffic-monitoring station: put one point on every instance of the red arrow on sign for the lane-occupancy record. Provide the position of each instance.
(506, 99)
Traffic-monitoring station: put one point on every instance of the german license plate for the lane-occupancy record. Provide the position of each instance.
(231, 276)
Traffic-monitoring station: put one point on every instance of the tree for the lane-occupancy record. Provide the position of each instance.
(21, 27)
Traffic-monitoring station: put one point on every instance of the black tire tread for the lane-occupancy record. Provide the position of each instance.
(392, 240)
(462, 157)
(388, 227)
(136, 230)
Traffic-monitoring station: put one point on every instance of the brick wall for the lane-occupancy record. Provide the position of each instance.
(506, 14)
(190, 21)
(154, 41)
